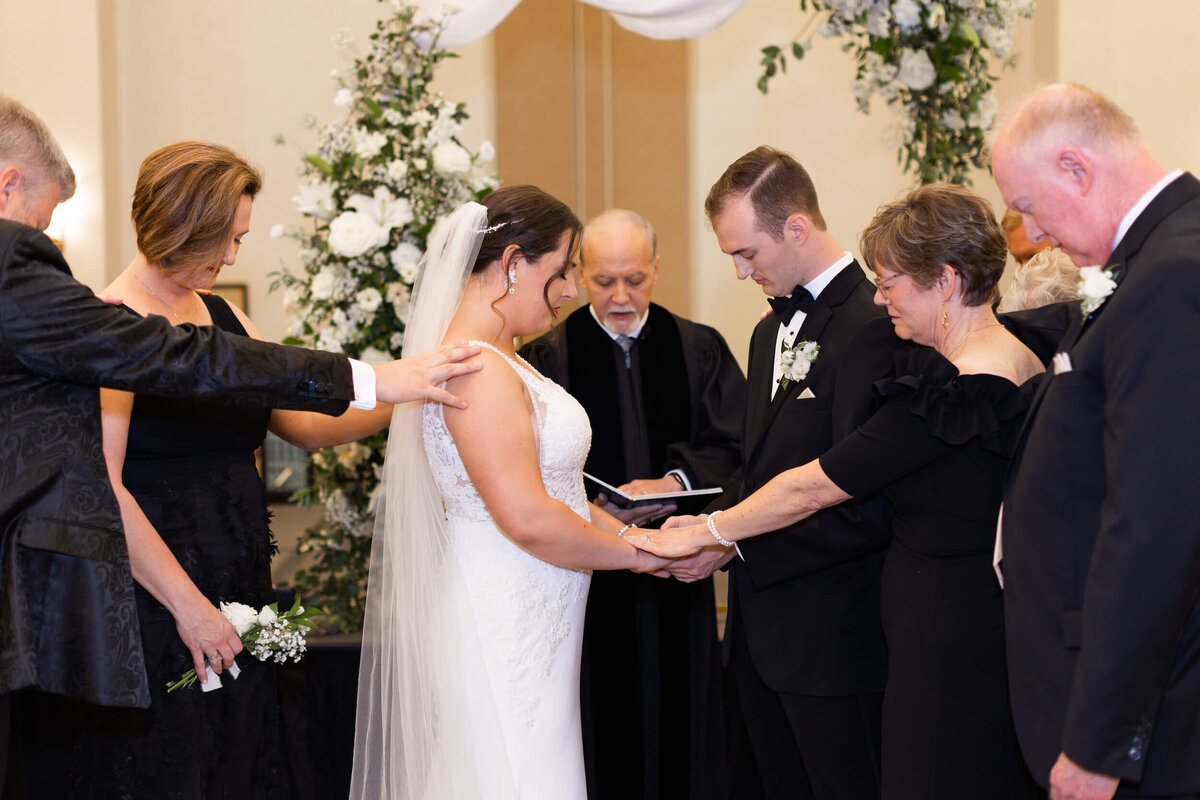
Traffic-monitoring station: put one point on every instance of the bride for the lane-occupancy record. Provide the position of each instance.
(469, 684)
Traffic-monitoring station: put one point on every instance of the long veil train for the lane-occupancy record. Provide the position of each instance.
(427, 725)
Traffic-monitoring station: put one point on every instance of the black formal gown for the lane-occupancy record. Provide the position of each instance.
(191, 467)
(938, 447)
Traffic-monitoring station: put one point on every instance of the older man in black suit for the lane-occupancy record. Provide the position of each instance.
(1100, 537)
(68, 624)
(803, 638)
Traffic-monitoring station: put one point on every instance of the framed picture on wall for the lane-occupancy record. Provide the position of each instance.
(236, 293)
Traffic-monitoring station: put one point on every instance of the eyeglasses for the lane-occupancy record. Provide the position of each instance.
(885, 286)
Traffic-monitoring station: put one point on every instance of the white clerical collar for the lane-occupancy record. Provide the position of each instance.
(1140, 206)
(818, 284)
(633, 334)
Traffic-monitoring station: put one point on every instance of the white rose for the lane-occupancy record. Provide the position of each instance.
(373, 355)
(953, 120)
(487, 152)
(315, 200)
(1094, 283)
(916, 70)
(344, 98)
(278, 230)
(451, 159)
(323, 284)
(908, 15)
(405, 259)
(266, 616)
(242, 617)
(369, 299)
(353, 234)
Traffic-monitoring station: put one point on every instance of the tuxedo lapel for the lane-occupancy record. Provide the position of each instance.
(810, 330)
(758, 383)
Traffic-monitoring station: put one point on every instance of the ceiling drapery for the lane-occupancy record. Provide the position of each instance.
(655, 19)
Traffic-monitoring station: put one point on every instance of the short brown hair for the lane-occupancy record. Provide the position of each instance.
(184, 202)
(776, 185)
(940, 224)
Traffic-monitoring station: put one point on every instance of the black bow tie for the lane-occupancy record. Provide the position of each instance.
(786, 307)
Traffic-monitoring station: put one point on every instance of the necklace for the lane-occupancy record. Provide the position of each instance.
(162, 302)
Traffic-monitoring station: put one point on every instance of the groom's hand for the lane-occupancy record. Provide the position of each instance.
(701, 565)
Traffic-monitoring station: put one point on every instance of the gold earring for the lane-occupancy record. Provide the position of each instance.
(945, 318)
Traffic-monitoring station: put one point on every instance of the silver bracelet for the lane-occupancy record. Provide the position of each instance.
(712, 528)
(621, 533)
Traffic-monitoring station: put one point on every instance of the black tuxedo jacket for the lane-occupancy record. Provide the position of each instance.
(68, 623)
(1102, 524)
(808, 595)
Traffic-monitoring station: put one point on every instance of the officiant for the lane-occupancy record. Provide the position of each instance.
(665, 397)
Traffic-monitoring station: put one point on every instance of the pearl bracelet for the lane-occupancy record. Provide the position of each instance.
(712, 528)
(621, 533)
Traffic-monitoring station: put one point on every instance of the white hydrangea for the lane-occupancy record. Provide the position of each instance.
(953, 120)
(908, 16)
(344, 98)
(985, 115)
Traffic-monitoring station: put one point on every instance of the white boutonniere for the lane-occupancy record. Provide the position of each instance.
(1095, 285)
(796, 361)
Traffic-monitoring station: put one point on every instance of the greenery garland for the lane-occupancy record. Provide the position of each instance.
(929, 61)
(381, 176)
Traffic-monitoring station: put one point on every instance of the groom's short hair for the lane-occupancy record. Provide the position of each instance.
(776, 185)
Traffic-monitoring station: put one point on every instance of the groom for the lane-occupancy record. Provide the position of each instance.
(803, 639)
(1101, 541)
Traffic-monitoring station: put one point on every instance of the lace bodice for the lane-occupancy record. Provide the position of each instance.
(564, 437)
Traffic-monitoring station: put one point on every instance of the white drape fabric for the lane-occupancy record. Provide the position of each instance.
(411, 712)
(654, 19)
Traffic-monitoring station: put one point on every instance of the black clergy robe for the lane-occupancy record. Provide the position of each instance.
(651, 694)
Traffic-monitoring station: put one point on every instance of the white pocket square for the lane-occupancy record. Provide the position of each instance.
(807, 394)
(1062, 363)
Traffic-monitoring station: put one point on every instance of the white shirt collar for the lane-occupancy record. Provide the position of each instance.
(1140, 206)
(633, 334)
(818, 284)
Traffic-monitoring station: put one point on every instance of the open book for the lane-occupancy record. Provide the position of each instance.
(623, 500)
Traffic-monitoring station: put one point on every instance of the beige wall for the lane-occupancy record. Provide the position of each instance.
(129, 76)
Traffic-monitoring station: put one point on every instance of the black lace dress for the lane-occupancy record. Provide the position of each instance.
(191, 467)
(938, 447)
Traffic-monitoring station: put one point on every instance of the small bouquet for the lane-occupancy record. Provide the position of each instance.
(267, 634)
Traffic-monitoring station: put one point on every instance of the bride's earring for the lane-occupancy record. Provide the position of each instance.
(512, 280)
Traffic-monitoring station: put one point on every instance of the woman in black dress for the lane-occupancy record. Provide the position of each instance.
(937, 447)
(194, 508)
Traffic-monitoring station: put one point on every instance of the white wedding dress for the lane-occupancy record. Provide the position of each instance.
(511, 624)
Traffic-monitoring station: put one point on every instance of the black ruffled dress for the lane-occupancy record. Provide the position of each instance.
(937, 448)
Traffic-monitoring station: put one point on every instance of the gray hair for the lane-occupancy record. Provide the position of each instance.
(624, 215)
(26, 142)
(1074, 113)
(1048, 277)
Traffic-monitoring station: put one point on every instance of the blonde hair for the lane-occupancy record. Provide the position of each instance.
(1049, 276)
(185, 200)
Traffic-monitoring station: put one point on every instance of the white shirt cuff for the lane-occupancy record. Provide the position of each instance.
(364, 385)
(683, 479)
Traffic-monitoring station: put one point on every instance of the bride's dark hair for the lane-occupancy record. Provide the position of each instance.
(534, 221)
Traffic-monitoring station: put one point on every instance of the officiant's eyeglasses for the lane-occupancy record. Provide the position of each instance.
(885, 286)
